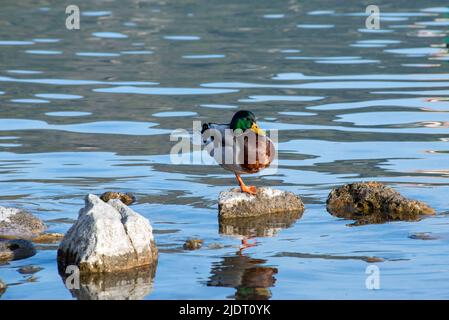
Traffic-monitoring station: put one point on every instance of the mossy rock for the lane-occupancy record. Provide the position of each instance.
(374, 202)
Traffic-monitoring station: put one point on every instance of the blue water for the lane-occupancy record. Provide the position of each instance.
(92, 110)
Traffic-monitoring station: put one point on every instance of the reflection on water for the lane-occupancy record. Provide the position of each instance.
(251, 280)
(135, 284)
(263, 226)
(92, 110)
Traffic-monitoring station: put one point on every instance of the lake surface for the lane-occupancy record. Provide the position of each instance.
(91, 110)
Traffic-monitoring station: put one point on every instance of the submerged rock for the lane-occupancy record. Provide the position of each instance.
(234, 203)
(424, 236)
(373, 202)
(134, 284)
(264, 226)
(29, 269)
(193, 244)
(17, 223)
(48, 238)
(126, 198)
(107, 237)
(15, 249)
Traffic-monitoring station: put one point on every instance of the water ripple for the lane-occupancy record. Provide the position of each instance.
(164, 91)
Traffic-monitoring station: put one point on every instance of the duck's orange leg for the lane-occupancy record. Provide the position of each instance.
(244, 187)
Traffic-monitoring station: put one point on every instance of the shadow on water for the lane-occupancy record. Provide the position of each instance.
(134, 284)
(247, 275)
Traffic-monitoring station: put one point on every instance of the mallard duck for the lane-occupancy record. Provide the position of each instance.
(242, 146)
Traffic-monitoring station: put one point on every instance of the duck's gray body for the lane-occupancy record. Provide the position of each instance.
(232, 149)
(227, 147)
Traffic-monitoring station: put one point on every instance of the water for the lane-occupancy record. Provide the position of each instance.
(91, 110)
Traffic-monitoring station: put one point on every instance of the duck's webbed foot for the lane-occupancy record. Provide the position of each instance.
(249, 189)
(244, 187)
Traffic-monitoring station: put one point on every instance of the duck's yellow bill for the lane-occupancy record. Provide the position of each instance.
(255, 128)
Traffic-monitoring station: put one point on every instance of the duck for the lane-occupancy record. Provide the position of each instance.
(239, 146)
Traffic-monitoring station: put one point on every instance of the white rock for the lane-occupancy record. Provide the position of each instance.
(6, 213)
(17, 223)
(107, 237)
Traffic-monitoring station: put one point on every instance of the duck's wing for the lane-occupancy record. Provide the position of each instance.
(210, 131)
(220, 144)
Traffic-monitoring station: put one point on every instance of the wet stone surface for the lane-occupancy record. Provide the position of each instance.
(29, 269)
(193, 244)
(126, 198)
(236, 204)
(48, 238)
(374, 202)
(17, 223)
(16, 249)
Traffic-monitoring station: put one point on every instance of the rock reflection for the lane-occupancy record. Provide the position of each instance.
(247, 275)
(263, 226)
(134, 284)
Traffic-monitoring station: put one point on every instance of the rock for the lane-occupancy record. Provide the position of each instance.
(373, 202)
(107, 237)
(3, 287)
(215, 246)
(134, 284)
(17, 223)
(234, 203)
(126, 198)
(15, 249)
(29, 270)
(31, 279)
(48, 238)
(424, 236)
(264, 226)
(193, 244)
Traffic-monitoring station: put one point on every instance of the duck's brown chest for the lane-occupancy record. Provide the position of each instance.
(258, 153)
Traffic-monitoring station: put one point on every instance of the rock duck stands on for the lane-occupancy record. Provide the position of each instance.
(236, 204)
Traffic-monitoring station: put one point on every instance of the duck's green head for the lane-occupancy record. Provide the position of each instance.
(245, 120)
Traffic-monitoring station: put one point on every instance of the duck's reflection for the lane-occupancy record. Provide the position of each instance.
(134, 284)
(248, 276)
